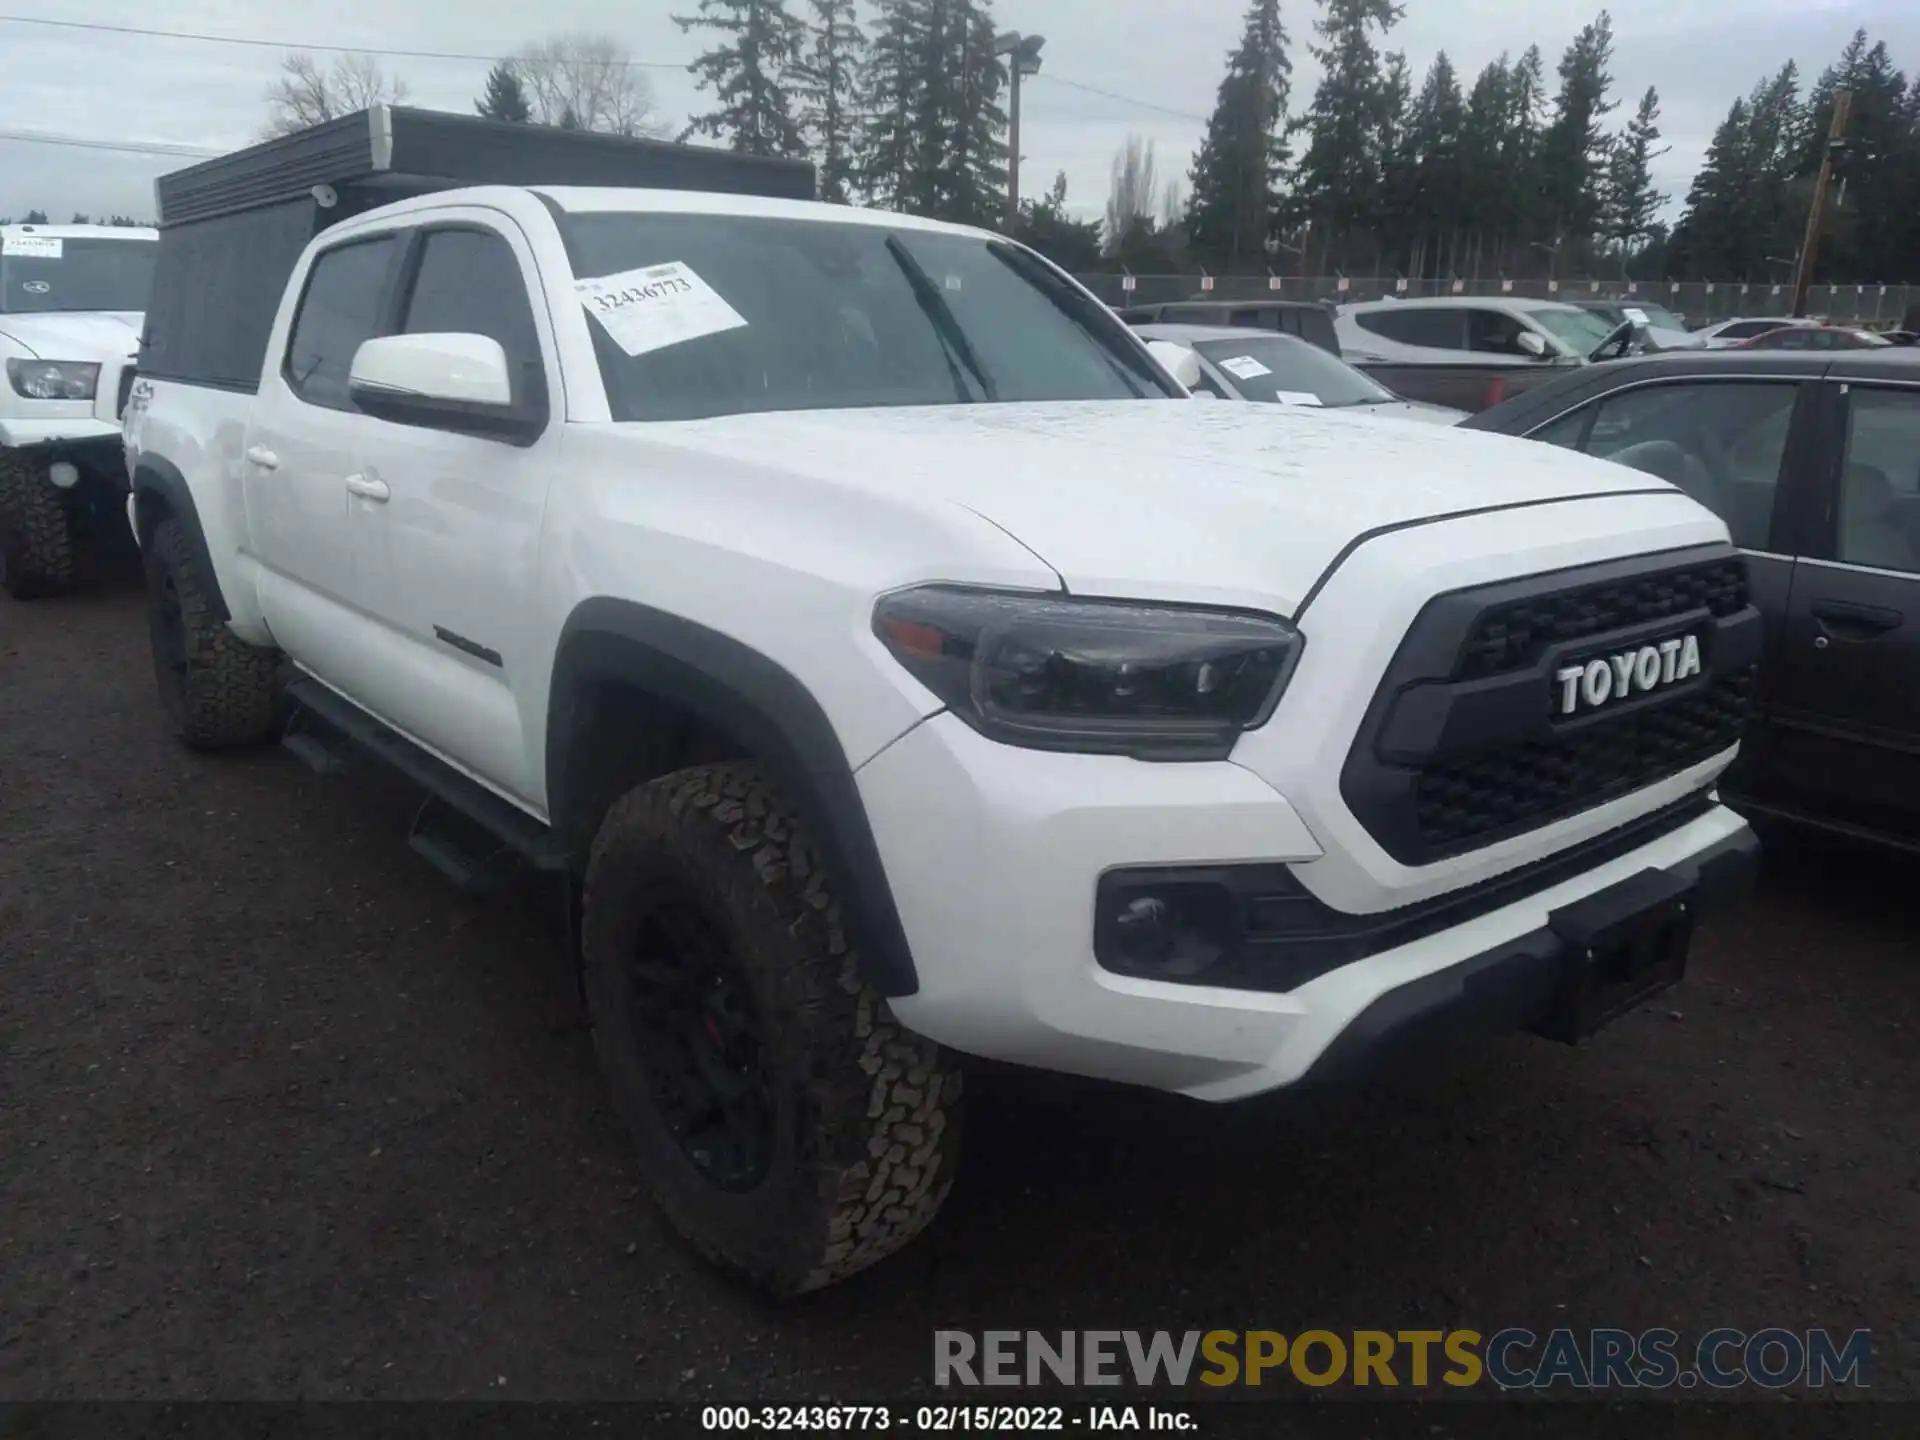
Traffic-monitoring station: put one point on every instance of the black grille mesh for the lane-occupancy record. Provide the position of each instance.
(1516, 635)
(1518, 786)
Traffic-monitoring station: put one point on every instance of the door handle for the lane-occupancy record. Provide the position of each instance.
(1843, 620)
(367, 488)
(263, 457)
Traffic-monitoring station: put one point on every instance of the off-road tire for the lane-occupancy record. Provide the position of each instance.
(866, 1129)
(38, 554)
(228, 693)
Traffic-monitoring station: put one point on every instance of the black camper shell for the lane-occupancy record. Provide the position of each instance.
(232, 229)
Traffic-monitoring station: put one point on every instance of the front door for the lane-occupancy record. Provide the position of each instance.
(446, 536)
(1847, 683)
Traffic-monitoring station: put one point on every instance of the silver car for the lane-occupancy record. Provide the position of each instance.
(1468, 330)
(1268, 368)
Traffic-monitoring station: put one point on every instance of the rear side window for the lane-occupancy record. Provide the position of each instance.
(1434, 329)
(342, 307)
(469, 283)
(1747, 329)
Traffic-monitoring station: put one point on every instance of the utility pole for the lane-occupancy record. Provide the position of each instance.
(1023, 58)
(1836, 142)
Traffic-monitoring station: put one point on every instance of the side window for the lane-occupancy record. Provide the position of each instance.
(1434, 329)
(1493, 332)
(1721, 443)
(1747, 329)
(346, 292)
(1880, 485)
(469, 283)
(1568, 432)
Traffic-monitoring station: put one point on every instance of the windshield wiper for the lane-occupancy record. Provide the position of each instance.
(952, 338)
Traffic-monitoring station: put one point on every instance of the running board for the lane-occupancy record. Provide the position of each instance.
(446, 842)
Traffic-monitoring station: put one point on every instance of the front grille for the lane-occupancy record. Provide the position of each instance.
(126, 391)
(1462, 746)
(1515, 635)
(1517, 786)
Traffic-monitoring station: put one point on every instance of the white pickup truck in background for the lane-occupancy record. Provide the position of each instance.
(892, 665)
(71, 298)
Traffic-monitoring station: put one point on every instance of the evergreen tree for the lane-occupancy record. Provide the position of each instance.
(1573, 151)
(1630, 201)
(569, 120)
(1045, 225)
(1339, 179)
(1712, 231)
(504, 98)
(972, 185)
(1489, 207)
(1231, 213)
(893, 100)
(1399, 175)
(1434, 125)
(1866, 226)
(747, 72)
(826, 82)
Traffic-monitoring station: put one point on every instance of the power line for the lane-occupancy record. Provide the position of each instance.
(1115, 95)
(294, 44)
(93, 26)
(78, 142)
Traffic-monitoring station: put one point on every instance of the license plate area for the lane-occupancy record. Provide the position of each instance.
(1622, 945)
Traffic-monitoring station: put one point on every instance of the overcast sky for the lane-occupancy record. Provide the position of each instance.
(107, 87)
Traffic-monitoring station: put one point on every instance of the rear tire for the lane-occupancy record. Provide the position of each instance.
(788, 1126)
(37, 549)
(218, 691)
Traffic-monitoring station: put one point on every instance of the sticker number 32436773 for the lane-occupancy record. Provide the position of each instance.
(656, 306)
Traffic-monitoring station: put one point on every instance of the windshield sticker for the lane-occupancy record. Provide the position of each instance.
(33, 247)
(1244, 367)
(1638, 317)
(656, 306)
(1296, 397)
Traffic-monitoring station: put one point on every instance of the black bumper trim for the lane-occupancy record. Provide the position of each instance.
(1510, 988)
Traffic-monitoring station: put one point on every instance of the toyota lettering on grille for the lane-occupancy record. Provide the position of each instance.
(1608, 679)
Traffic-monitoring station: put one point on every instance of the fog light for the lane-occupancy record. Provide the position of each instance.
(1169, 931)
(64, 474)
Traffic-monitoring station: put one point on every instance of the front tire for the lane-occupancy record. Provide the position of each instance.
(789, 1127)
(218, 691)
(37, 549)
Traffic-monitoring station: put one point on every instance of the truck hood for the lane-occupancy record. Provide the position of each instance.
(1170, 499)
(75, 335)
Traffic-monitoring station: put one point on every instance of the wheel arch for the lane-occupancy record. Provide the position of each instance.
(743, 701)
(160, 492)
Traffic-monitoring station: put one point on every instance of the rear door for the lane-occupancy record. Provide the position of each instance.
(1847, 669)
(302, 448)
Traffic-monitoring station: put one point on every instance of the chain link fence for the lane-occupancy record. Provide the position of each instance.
(1698, 302)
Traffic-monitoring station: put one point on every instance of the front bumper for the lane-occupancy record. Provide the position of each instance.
(63, 433)
(994, 855)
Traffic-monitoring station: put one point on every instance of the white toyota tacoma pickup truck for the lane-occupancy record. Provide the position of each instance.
(71, 298)
(897, 668)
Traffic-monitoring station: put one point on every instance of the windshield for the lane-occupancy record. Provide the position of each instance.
(74, 274)
(1276, 368)
(1580, 329)
(742, 313)
(1660, 318)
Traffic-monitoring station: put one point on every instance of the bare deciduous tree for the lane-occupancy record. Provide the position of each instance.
(590, 77)
(1135, 190)
(307, 95)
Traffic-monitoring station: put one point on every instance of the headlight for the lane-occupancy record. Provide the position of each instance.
(53, 379)
(1105, 677)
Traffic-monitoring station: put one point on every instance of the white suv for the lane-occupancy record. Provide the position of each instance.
(896, 667)
(71, 298)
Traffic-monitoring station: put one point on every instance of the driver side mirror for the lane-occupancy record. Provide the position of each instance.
(443, 382)
(1531, 344)
(1179, 362)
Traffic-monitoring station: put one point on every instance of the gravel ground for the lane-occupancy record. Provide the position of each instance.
(281, 1114)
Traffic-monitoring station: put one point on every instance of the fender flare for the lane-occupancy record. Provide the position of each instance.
(741, 692)
(155, 477)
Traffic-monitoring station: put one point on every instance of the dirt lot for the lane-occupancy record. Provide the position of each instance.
(281, 1114)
